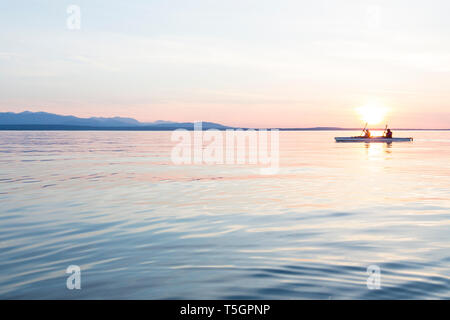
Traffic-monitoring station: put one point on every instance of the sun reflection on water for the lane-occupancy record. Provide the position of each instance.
(378, 151)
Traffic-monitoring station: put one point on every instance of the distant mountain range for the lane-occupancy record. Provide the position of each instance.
(48, 121)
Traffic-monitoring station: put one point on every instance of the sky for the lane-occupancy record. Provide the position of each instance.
(236, 62)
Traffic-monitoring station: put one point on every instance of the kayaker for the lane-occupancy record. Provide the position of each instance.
(367, 133)
(388, 134)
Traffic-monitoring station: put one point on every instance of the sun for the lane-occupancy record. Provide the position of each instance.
(372, 113)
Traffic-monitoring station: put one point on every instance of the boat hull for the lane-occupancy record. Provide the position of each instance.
(370, 140)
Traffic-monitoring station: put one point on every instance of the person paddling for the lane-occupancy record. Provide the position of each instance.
(367, 133)
(388, 134)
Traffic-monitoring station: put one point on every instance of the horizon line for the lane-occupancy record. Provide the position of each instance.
(61, 127)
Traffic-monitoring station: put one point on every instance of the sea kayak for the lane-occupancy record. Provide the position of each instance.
(374, 139)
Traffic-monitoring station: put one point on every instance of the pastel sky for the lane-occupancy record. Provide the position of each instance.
(237, 62)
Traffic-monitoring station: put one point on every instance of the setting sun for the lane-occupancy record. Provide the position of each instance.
(372, 113)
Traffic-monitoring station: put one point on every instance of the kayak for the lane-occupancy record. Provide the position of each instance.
(374, 139)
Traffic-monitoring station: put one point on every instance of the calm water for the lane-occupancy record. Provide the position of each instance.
(142, 228)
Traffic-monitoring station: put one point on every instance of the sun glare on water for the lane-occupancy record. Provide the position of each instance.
(372, 113)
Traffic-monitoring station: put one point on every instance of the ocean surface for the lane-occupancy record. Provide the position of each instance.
(141, 227)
